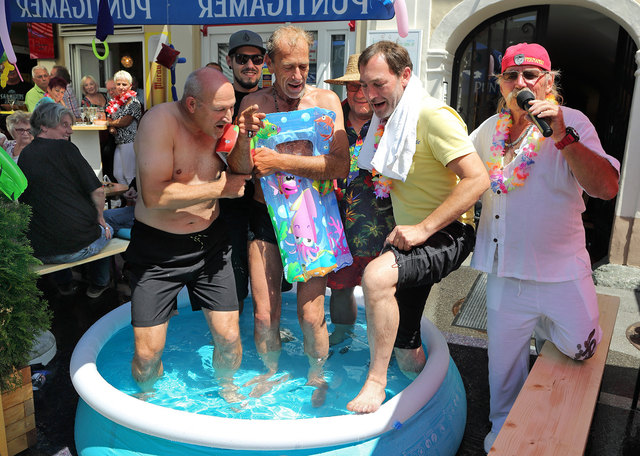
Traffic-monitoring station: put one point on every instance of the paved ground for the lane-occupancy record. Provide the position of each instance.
(615, 429)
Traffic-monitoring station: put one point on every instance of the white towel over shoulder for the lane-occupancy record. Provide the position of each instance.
(394, 154)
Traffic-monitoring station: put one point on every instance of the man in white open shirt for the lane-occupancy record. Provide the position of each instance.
(530, 238)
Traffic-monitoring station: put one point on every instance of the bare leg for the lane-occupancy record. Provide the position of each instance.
(314, 330)
(227, 350)
(379, 286)
(146, 366)
(411, 361)
(265, 270)
(343, 311)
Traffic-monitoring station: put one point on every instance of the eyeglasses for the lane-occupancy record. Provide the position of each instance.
(528, 75)
(353, 86)
(242, 59)
(22, 131)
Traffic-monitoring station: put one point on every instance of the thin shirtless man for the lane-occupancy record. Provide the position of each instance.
(288, 58)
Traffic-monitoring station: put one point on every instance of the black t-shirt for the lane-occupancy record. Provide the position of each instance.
(60, 182)
(239, 97)
(13, 93)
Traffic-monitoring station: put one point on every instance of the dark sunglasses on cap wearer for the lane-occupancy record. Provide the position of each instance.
(528, 75)
(242, 59)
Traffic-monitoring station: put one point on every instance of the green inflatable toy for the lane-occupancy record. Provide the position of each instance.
(12, 181)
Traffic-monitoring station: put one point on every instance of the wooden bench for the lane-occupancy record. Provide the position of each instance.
(115, 246)
(553, 412)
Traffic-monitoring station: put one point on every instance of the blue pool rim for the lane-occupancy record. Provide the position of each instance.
(429, 414)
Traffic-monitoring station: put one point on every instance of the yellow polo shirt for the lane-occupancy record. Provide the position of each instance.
(441, 137)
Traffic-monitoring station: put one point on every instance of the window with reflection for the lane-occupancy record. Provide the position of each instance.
(475, 92)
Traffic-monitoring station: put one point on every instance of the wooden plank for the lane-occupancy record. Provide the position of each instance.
(19, 428)
(13, 414)
(3, 436)
(17, 445)
(115, 246)
(27, 440)
(553, 412)
(17, 396)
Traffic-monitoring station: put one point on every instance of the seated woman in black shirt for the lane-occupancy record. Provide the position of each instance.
(66, 198)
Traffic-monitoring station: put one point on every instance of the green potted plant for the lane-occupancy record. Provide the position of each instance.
(24, 315)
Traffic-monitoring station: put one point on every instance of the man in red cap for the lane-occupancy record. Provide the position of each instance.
(539, 273)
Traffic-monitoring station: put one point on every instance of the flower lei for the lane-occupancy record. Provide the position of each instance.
(381, 184)
(530, 146)
(119, 101)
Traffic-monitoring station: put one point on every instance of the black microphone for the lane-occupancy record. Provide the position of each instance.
(524, 101)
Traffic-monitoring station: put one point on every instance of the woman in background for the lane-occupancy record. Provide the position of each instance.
(20, 129)
(123, 114)
(92, 97)
(55, 92)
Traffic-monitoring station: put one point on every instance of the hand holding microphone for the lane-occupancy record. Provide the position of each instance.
(524, 99)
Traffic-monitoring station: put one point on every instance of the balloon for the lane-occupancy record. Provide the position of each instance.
(4, 34)
(12, 180)
(402, 17)
(95, 51)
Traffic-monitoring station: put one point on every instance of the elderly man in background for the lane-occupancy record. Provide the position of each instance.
(365, 207)
(539, 269)
(112, 90)
(436, 177)
(40, 76)
(288, 59)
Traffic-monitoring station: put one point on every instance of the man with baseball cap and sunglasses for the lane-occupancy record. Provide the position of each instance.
(531, 239)
(245, 58)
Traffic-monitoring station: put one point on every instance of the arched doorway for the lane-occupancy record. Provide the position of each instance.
(596, 58)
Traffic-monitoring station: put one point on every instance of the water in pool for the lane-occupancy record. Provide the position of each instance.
(188, 382)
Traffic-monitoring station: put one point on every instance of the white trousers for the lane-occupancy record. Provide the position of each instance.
(124, 163)
(566, 313)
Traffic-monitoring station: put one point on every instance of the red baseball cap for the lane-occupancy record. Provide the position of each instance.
(526, 54)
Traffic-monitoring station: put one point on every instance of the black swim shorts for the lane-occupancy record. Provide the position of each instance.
(161, 263)
(260, 226)
(420, 268)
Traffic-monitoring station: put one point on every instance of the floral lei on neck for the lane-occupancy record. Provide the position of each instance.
(119, 101)
(530, 146)
(381, 184)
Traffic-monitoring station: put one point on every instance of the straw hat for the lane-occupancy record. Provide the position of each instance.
(351, 74)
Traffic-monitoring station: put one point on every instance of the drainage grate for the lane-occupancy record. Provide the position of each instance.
(473, 312)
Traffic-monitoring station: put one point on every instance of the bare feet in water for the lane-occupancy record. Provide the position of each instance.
(369, 399)
(229, 392)
(264, 385)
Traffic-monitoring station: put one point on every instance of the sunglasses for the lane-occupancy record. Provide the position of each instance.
(22, 131)
(528, 75)
(242, 59)
(353, 86)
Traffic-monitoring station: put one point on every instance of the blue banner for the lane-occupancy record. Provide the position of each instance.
(196, 12)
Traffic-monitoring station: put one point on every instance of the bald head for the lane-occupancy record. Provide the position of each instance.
(203, 84)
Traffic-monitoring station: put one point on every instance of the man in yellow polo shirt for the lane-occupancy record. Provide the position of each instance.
(420, 146)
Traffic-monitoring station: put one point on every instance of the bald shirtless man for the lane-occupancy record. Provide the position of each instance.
(176, 238)
(288, 58)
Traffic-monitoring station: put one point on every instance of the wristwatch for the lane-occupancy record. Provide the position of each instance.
(570, 137)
